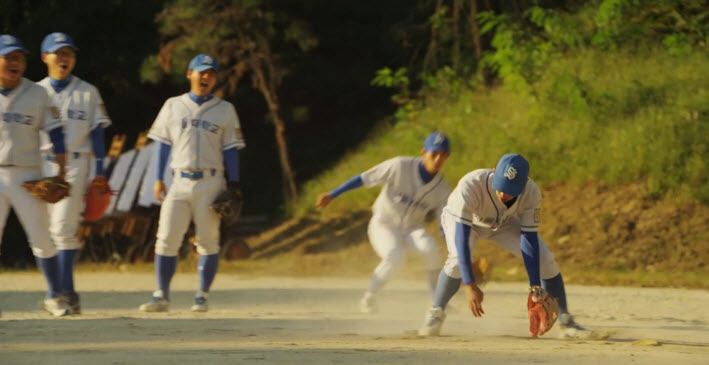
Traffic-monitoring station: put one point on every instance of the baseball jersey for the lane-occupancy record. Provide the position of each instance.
(473, 202)
(25, 111)
(81, 108)
(197, 133)
(405, 199)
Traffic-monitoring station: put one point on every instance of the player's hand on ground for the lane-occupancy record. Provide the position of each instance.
(475, 299)
(323, 200)
(159, 190)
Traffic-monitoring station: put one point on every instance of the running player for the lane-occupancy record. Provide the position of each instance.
(413, 188)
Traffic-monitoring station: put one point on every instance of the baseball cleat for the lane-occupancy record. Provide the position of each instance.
(56, 306)
(156, 304)
(367, 304)
(72, 300)
(434, 322)
(200, 304)
(572, 330)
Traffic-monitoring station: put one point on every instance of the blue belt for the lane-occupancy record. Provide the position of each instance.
(54, 158)
(196, 174)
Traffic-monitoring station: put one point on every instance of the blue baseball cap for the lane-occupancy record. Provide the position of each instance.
(56, 40)
(9, 43)
(511, 174)
(437, 141)
(203, 62)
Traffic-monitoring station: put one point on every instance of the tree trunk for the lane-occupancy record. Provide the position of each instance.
(475, 30)
(430, 61)
(290, 192)
(456, 35)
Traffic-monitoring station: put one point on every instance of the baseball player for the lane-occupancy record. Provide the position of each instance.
(413, 188)
(84, 118)
(501, 205)
(26, 110)
(203, 133)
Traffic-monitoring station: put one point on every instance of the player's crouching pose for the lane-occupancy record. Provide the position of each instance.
(503, 206)
(413, 188)
(84, 117)
(26, 110)
(203, 133)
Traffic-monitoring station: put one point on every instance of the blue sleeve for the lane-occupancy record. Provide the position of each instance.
(162, 153)
(350, 184)
(231, 160)
(462, 236)
(529, 244)
(56, 135)
(99, 148)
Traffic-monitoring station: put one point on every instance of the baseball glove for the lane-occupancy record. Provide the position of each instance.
(50, 189)
(98, 197)
(228, 203)
(543, 310)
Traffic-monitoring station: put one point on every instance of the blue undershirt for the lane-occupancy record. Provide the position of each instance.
(200, 99)
(98, 147)
(425, 176)
(350, 184)
(56, 135)
(529, 245)
(59, 85)
(462, 236)
(231, 160)
(162, 153)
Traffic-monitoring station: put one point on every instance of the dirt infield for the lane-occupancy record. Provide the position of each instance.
(315, 321)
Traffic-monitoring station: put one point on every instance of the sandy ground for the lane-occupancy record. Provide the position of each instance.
(316, 321)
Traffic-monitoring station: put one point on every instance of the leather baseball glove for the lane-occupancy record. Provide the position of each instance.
(228, 203)
(543, 310)
(50, 189)
(98, 197)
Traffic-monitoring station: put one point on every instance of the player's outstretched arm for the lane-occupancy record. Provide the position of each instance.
(325, 199)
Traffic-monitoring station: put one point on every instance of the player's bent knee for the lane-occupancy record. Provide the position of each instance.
(207, 248)
(452, 269)
(164, 249)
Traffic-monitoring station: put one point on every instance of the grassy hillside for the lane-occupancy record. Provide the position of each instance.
(613, 117)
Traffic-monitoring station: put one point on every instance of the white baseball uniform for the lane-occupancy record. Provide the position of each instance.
(474, 203)
(82, 109)
(198, 135)
(399, 213)
(25, 111)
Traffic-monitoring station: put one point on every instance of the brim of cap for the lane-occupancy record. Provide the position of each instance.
(201, 68)
(57, 46)
(437, 148)
(501, 183)
(12, 49)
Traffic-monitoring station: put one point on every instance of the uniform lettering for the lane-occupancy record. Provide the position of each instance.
(18, 118)
(76, 114)
(201, 124)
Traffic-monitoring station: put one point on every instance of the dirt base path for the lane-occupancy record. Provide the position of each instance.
(316, 321)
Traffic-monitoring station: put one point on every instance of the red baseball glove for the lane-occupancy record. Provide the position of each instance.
(543, 310)
(98, 197)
